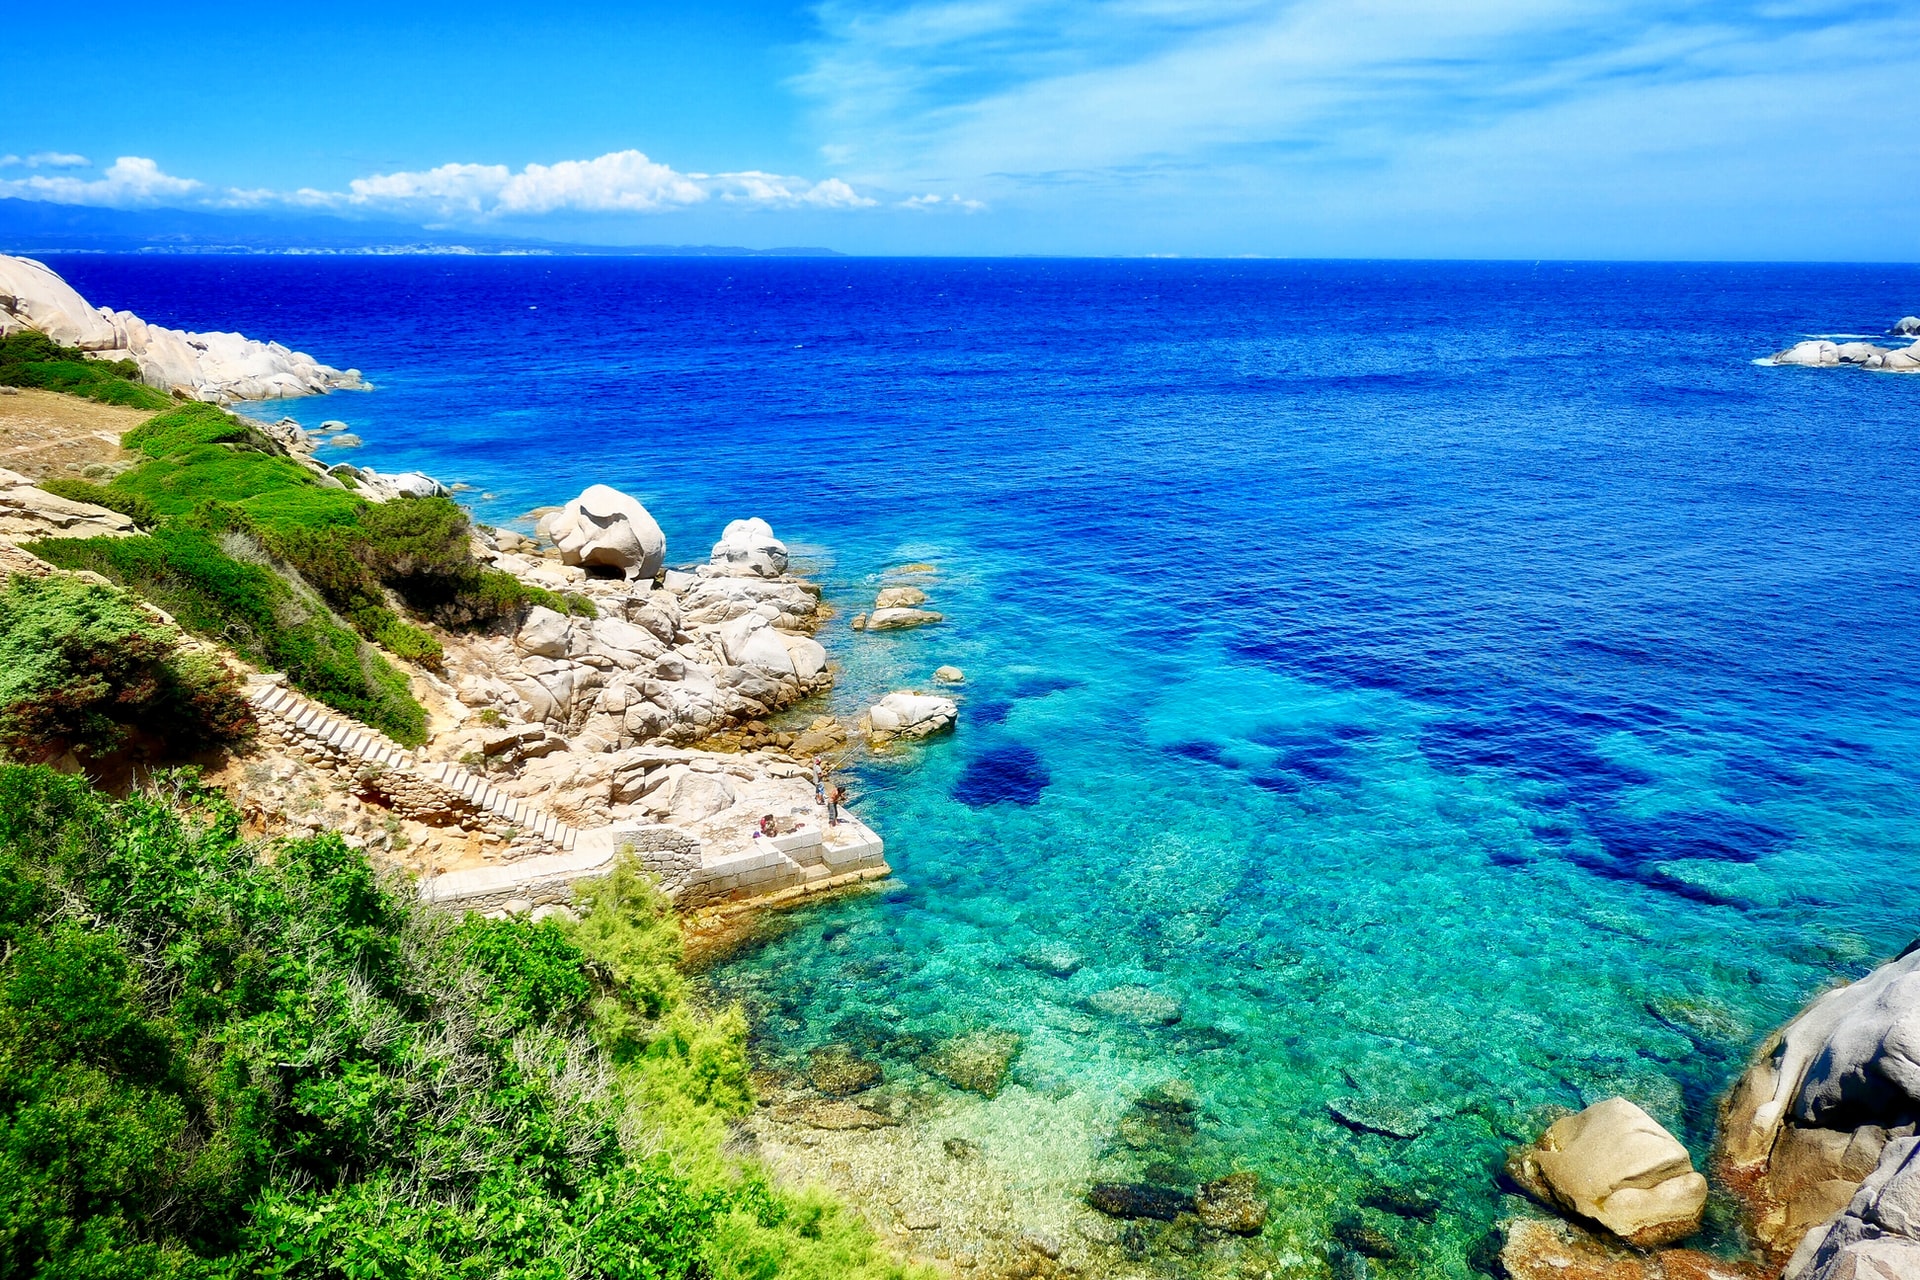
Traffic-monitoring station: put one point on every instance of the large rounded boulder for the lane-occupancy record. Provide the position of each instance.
(604, 528)
(1613, 1165)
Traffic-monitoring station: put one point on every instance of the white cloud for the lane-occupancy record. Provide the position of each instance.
(130, 180)
(618, 182)
(931, 201)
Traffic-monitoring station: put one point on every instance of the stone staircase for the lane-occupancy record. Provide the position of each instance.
(356, 741)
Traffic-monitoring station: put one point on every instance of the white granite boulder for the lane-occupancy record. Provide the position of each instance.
(1814, 353)
(33, 297)
(900, 598)
(605, 528)
(748, 549)
(1877, 1236)
(911, 715)
(1907, 326)
(1614, 1165)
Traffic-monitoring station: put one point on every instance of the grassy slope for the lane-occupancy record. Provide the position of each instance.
(35, 360)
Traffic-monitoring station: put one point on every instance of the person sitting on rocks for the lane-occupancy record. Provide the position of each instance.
(768, 826)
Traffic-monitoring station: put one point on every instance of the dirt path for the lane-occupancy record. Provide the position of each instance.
(44, 433)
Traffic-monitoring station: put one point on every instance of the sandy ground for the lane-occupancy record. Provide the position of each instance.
(43, 433)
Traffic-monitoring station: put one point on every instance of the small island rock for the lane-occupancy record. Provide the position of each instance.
(604, 527)
(911, 715)
(1613, 1164)
(1907, 326)
(900, 598)
(949, 675)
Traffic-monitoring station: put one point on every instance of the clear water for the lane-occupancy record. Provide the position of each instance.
(1465, 689)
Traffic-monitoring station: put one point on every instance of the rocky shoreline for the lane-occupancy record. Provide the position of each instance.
(1820, 353)
(1816, 1143)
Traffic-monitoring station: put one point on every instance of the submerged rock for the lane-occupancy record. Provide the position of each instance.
(839, 1072)
(977, 1062)
(1137, 1004)
(901, 619)
(1055, 958)
(1390, 1117)
(1543, 1249)
(1614, 1165)
(1139, 1200)
(1233, 1203)
(834, 1115)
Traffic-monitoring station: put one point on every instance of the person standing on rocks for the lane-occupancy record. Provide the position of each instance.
(836, 797)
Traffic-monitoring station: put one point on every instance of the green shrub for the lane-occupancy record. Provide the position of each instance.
(82, 666)
(130, 505)
(194, 423)
(254, 611)
(308, 1074)
(34, 360)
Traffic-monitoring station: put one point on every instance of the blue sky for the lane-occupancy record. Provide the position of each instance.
(1478, 128)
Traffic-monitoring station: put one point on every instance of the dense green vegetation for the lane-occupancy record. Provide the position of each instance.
(257, 613)
(250, 547)
(34, 360)
(218, 1065)
(82, 668)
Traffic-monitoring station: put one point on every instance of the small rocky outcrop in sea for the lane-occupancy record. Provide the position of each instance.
(604, 528)
(1613, 1165)
(897, 609)
(1820, 353)
(1906, 327)
(218, 367)
(909, 715)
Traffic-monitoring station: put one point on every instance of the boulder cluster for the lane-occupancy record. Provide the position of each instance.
(1821, 353)
(218, 367)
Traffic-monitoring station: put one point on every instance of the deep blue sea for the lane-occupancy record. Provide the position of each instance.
(1464, 689)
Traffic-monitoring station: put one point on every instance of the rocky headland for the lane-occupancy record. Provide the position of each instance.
(216, 367)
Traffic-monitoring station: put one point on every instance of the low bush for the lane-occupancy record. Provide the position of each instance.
(34, 360)
(217, 1065)
(257, 613)
(195, 423)
(82, 668)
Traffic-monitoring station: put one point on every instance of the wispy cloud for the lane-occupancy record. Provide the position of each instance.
(45, 160)
(618, 182)
(1305, 100)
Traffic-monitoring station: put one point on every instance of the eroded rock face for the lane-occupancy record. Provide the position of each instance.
(747, 548)
(1877, 1237)
(605, 528)
(204, 366)
(1614, 1165)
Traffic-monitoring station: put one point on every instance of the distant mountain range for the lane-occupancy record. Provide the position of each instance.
(34, 226)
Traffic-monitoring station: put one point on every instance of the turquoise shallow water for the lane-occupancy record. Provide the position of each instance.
(1462, 690)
